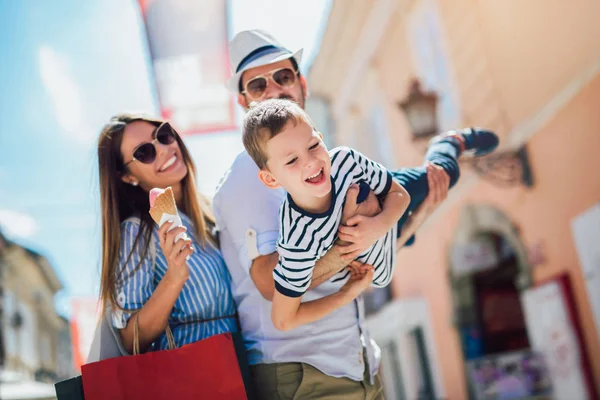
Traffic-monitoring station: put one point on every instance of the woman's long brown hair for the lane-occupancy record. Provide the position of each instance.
(119, 201)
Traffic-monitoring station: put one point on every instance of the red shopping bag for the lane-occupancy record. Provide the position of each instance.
(207, 369)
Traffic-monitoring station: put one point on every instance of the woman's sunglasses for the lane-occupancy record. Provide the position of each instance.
(257, 86)
(146, 152)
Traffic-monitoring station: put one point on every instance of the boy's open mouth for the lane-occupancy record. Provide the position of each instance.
(317, 178)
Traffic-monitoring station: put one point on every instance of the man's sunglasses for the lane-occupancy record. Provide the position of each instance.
(146, 152)
(257, 86)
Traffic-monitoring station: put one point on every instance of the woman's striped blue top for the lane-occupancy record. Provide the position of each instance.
(205, 296)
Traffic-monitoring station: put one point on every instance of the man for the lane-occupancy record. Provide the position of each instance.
(330, 358)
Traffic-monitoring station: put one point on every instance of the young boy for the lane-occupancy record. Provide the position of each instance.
(290, 153)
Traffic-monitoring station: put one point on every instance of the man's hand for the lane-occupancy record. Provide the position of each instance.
(361, 276)
(361, 233)
(439, 183)
(357, 269)
(370, 207)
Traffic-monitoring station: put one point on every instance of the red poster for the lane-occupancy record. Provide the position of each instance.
(83, 325)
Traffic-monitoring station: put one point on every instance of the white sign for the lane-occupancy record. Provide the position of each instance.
(552, 335)
(585, 229)
(474, 256)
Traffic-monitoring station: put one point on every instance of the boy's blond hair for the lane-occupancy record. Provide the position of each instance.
(266, 120)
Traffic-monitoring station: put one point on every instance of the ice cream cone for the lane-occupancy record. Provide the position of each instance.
(163, 203)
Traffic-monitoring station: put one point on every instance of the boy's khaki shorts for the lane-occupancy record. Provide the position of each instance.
(296, 381)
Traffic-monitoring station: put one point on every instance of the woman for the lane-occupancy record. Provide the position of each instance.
(184, 286)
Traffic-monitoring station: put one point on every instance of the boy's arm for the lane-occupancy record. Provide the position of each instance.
(262, 268)
(289, 313)
(327, 266)
(362, 232)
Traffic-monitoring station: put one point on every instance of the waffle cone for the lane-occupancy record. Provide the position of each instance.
(164, 203)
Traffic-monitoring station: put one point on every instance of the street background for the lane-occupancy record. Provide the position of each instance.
(500, 295)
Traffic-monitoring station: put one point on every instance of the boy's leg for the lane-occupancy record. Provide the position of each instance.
(415, 182)
(444, 151)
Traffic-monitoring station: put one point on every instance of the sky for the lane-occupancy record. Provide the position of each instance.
(73, 65)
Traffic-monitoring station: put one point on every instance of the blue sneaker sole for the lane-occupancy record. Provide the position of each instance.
(479, 141)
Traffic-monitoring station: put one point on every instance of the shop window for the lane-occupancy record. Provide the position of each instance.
(420, 359)
(391, 372)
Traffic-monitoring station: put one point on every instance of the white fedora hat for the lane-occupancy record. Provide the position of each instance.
(254, 48)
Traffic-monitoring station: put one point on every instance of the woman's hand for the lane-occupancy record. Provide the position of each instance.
(176, 253)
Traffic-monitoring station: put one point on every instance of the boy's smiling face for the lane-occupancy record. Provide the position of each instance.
(299, 162)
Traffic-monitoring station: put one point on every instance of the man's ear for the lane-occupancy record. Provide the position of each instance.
(242, 101)
(304, 86)
(268, 179)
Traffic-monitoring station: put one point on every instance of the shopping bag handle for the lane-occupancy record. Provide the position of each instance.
(136, 336)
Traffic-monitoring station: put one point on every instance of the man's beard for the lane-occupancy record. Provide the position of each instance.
(285, 96)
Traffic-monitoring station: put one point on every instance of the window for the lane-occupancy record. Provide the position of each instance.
(46, 349)
(432, 64)
(379, 130)
(409, 367)
(423, 379)
(9, 333)
(391, 373)
(28, 346)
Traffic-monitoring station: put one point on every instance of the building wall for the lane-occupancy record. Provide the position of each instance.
(530, 71)
(31, 348)
(564, 187)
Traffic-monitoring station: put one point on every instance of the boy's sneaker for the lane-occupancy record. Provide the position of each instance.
(477, 141)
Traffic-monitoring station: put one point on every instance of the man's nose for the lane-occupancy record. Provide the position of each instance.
(273, 91)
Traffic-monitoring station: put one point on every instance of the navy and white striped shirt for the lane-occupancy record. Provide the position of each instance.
(305, 237)
(205, 295)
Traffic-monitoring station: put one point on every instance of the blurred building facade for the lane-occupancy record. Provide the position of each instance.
(529, 71)
(36, 339)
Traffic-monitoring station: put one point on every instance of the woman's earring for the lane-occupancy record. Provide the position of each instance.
(134, 183)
